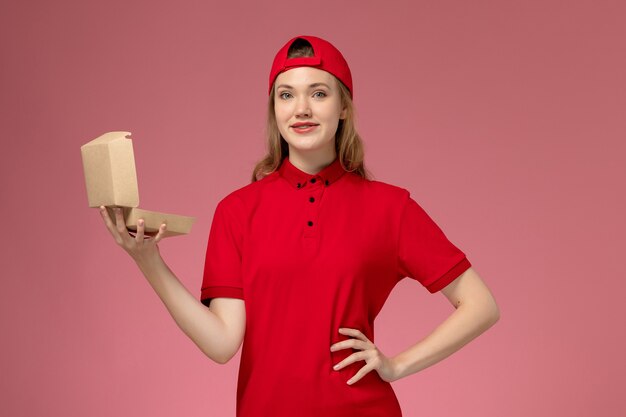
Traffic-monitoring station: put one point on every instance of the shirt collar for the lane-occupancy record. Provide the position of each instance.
(299, 179)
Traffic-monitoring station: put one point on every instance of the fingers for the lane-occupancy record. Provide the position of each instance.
(120, 224)
(110, 225)
(357, 356)
(361, 341)
(142, 236)
(122, 235)
(354, 333)
(353, 343)
(368, 352)
(372, 362)
(161, 233)
(140, 231)
(118, 230)
(360, 374)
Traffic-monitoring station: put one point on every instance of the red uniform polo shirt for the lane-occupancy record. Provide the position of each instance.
(310, 254)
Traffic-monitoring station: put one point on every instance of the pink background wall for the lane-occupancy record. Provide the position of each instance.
(504, 119)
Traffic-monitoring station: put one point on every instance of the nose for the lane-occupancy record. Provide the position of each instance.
(302, 108)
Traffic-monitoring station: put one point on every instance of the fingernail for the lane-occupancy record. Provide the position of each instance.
(335, 367)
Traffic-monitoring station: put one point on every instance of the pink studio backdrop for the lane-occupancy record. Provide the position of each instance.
(504, 119)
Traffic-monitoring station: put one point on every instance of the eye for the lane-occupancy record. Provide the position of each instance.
(282, 95)
(323, 94)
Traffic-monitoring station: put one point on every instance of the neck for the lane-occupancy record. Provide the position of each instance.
(311, 162)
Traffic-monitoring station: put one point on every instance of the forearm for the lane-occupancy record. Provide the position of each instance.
(465, 324)
(202, 325)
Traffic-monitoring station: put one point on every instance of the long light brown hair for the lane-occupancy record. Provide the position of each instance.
(348, 143)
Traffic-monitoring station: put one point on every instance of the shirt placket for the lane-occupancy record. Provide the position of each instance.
(313, 193)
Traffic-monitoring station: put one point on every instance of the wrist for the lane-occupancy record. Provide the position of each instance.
(398, 367)
(148, 262)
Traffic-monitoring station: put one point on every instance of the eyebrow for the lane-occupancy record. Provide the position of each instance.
(310, 86)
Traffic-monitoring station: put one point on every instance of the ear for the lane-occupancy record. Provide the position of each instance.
(343, 113)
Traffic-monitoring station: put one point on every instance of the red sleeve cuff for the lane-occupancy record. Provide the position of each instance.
(209, 293)
(462, 266)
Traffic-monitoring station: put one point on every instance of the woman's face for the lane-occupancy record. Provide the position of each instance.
(309, 97)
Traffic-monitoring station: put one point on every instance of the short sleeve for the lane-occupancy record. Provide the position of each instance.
(222, 266)
(424, 252)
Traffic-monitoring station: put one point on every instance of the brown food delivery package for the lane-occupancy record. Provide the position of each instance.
(111, 180)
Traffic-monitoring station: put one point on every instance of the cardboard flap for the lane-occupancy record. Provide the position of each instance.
(109, 168)
(109, 137)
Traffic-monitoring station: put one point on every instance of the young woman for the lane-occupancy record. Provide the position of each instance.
(300, 261)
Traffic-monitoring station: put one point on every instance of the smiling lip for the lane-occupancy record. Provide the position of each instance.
(303, 127)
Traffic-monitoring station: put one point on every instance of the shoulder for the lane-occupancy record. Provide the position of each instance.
(245, 195)
(378, 199)
(384, 190)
